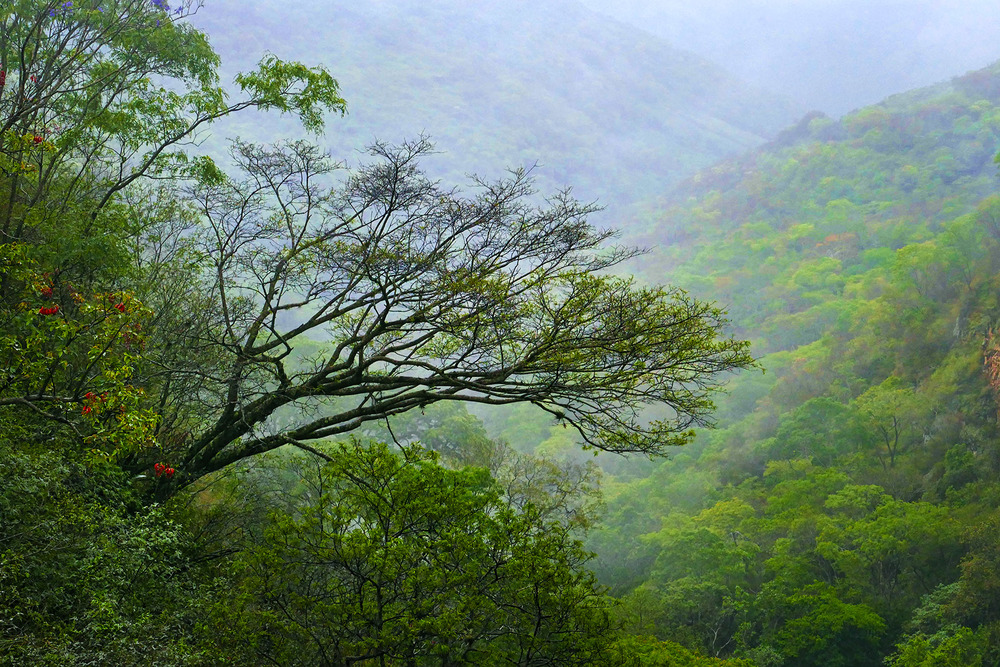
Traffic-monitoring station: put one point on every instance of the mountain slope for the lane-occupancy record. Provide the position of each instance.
(846, 511)
(881, 177)
(610, 110)
(833, 55)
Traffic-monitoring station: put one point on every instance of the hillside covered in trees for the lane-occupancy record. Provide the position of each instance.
(261, 407)
(196, 364)
(845, 513)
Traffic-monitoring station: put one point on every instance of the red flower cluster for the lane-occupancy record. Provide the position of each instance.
(51, 310)
(161, 469)
(38, 139)
(120, 307)
(46, 292)
(91, 397)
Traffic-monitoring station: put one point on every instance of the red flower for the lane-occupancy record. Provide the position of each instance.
(89, 396)
(120, 307)
(162, 469)
(87, 409)
(38, 139)
(46, 292)
(51, 310)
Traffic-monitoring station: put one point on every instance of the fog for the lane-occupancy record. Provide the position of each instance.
(616, 113)
(830, 55)
(621, 99)
(836, 272)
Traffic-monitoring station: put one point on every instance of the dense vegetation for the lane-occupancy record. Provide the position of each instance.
(201, 371)
(846, 511)
(184, 351)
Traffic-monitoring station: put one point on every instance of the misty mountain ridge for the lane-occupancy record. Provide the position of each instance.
(934, 144)
(832, 55)
(614, 112)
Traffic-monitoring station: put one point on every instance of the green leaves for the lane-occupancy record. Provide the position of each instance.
(826, 631)
(291, 87)
(428, 295)
(88, 575)
(71, 358)
(384, 553)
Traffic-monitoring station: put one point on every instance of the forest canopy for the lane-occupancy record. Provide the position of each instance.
(845, 510)
(169, 331)
(162, 282)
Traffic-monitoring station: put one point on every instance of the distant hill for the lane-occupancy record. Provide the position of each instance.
(606, 108)
(882, 177)
(832, 55)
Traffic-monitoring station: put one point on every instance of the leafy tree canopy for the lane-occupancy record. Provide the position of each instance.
(417, 293)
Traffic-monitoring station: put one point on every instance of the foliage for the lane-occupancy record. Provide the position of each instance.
(422, 295)
(863, 262)
(638, 651)
(109, 93)
(137, 358)
(70, 357)
(167, 329)
(87, 574)
(158, 324)
(392, 557)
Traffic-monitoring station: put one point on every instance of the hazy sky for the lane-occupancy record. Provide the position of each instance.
(831, 55)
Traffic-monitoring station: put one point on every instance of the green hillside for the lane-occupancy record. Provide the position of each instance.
(232, 392)
(845, 512)
(201, 360)
(828, 194)
(607, 109)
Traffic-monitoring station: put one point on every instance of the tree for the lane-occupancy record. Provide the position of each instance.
(648, 651)
(389, 557)
(97, 102)
(88, 576)
(421, 295)
(96, 95)
(565, 491)
(988, 215)
(824, 630)
(891, 409)
(821, 429)
(935, 638)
